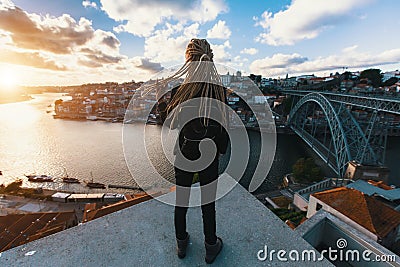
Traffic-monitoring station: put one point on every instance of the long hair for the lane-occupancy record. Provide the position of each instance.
(201, 79)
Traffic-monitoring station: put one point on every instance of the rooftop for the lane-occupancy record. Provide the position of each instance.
(143, 235)
(17, 229)
(371, 188)
(324, 230)
(361, 208)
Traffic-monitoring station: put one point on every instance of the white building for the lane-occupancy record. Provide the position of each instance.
(226, 79)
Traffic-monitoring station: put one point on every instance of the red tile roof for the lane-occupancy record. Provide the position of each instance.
(362, 209)
(18, 229)
(92, 212)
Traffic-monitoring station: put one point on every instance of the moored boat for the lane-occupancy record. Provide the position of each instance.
(71, 180)
(29, 176)
(92, 184)
(95, 185)
(39, 178)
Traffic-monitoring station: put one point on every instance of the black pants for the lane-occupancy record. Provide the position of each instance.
(208, 194)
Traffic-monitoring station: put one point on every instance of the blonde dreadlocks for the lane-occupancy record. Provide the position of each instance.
(201, 80)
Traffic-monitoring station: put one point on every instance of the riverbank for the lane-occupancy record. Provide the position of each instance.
(15, 189)
(14, 99)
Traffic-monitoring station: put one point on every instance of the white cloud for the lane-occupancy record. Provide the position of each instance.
(55, 34)
(304, 19)
(61, 50)
(280, 64)
(61, 41)
(5, 4)
(276, 63)
(349, 49)
(249, 51)
(240, 59)
(169, 44)
(142, 17)
(219, 31)
(87, 4)
(239, 63)
(221, 55)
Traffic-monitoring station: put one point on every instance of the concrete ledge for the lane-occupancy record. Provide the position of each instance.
(143, 235)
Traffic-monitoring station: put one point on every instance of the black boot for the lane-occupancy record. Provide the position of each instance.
(181, 246)
(212, 251)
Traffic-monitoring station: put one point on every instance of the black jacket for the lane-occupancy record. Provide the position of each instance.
(195, 130)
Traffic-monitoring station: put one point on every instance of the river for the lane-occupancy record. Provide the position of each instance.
(31, 141)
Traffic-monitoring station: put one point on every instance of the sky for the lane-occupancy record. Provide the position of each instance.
(66, 42)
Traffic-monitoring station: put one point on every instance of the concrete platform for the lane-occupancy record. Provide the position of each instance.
(143, 235)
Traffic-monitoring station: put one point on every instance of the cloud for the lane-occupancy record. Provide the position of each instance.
(219, 31)
(141, 17)
(74, 51)
(304, 19)
(32, 59)
(54, 34)
(146, 64)
(350, 49)
(169, 44)
(280, 64)
(82, 54)
(280, 61)
(88, 4)
(99, 57)
(89, 63)
(5, 4)
(111, 41)
(61, 39)
(249, 51)
(221, 55)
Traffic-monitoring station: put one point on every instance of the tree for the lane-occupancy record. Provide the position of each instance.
(305, 170)
(391, 81)
(298, 169)
(287, 105)
(346, 75)
(374, 75)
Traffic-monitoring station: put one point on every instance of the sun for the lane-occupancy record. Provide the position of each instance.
(8, 79)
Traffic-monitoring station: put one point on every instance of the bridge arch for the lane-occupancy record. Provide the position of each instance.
(344, 146)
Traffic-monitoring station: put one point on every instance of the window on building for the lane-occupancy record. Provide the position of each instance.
(319, 206)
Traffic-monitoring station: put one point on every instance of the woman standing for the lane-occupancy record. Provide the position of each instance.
(202, 82)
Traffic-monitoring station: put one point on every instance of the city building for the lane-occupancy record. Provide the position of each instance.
(376, 220)
(357, 171)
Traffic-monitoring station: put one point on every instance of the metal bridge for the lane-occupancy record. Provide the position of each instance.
(325, 122)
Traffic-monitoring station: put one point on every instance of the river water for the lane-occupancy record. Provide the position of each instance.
(31, 141)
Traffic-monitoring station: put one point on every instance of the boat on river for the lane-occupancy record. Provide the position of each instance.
(39, 178)
(69, 180)
(92, 184)
(95, 185)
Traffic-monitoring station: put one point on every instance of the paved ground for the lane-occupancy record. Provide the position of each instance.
(143, 235)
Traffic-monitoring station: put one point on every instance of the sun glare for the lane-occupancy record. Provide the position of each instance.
(8, 79)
